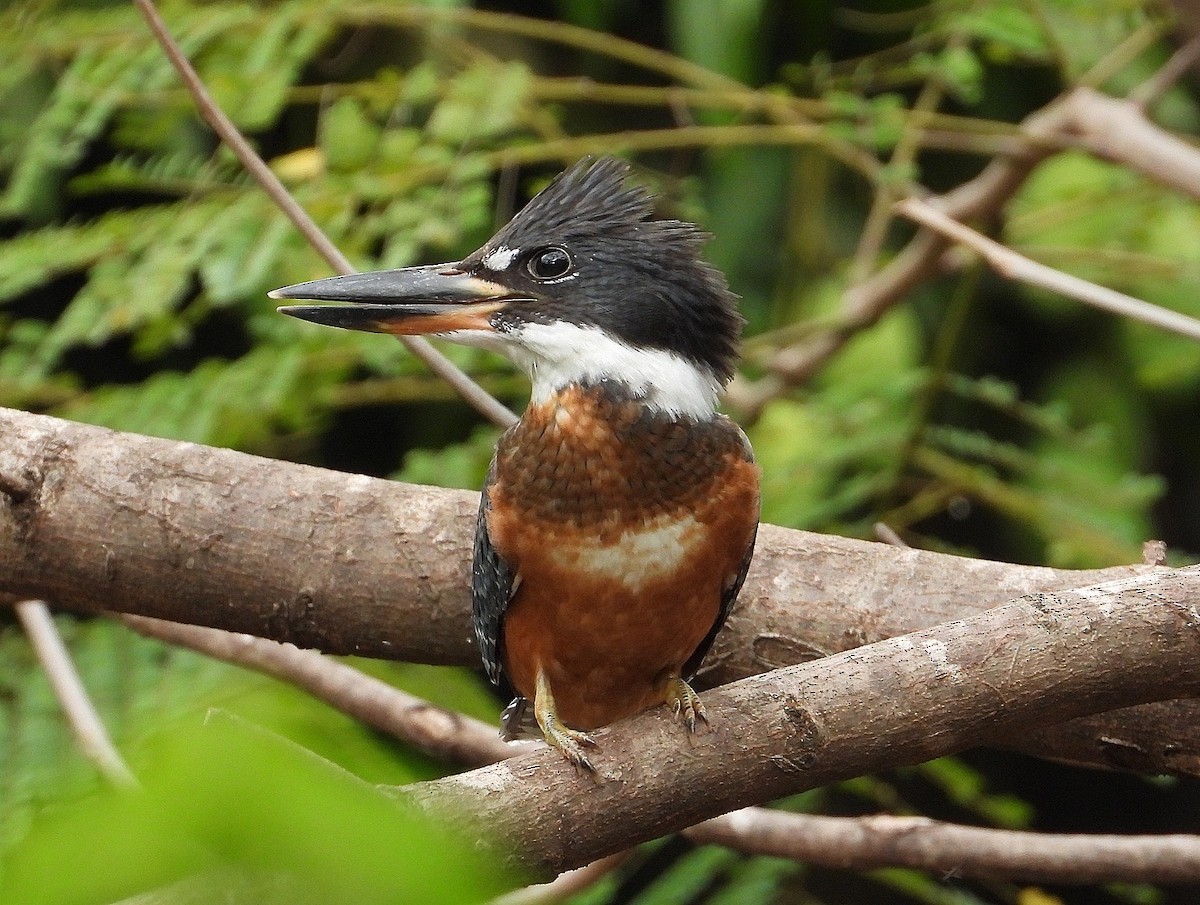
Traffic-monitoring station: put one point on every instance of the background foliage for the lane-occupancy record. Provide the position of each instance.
(977, 417)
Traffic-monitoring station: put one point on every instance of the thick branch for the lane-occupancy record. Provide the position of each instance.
(93, 519)
(1041, 659)
(840, 842)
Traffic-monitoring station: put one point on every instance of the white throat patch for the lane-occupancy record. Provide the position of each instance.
(561, 354)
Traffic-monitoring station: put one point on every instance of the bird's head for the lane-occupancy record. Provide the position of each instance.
(581, 286)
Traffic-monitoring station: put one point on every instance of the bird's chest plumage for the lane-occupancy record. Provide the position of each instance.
(623, 527)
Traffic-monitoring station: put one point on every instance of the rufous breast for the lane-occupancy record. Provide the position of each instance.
(624, 527)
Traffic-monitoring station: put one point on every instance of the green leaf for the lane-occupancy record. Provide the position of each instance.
(349, 137)
(84, 98)
(1007, 29)
(251, 69)
(962, 72)
(239, 404)
(967, 788)
(457, 465)
(755, 881)
(479, 103)
(221, 794)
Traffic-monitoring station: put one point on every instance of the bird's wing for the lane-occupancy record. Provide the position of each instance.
(493, 584)
(731, 588)
(728, 598)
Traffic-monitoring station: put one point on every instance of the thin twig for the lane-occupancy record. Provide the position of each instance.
(1145, 95)
(1016, 266)
(485, 404)
(565, 884)
(625, 50)
(81, 715)
(800, 134)
(879, 217)
(1115, 61)
(435, 730)
(862, 843)
(886, 534)
(1106, 126)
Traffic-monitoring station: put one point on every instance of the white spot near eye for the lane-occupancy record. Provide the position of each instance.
(500, 259)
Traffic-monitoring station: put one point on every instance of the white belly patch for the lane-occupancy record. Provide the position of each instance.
(637, 556)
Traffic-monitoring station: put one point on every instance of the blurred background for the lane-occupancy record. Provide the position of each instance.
(968, 414)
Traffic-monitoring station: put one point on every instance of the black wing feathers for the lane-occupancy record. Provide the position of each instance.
(728, 598)
(491, 590)
(730, 592)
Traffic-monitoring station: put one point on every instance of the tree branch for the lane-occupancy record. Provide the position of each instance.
(1042, 659)
(94, 519)
(883, 840)
(1015, 266)
(838, 842)
(85, 723)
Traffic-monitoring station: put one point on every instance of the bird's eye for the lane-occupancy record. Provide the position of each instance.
(548, 263)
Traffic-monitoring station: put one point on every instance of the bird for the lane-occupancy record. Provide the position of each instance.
(618, 518)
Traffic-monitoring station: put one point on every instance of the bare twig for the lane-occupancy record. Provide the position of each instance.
(435, 730)
(1145, 95)
(1114, 129)
(1016, 266)
(81, 715)
(485, 404)
(886, 534)
(879, 217)
(565, 884)
(888, 841)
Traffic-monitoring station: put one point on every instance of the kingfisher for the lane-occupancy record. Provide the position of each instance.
(618, 518)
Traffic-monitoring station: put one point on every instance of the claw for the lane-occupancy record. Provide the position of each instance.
(685, 703)
(571, 744)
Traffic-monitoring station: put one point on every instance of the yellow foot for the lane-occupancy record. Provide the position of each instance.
(685, 703)
(570, 742)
